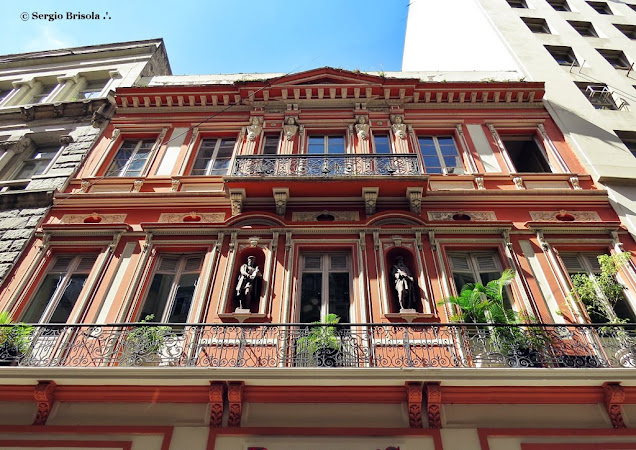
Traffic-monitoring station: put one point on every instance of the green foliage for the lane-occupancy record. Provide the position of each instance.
(147, 339)
(600, 292)
(320, 337)
(15, 337)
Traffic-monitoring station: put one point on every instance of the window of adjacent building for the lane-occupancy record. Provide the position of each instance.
(536, 24)
(517, 3)
(562, 55)
(324, 287)
(270, 146)
(627, 30)
(587, 263)
(37, 162)
(382, 143)
(629, 139)
(214, 156)
(171, 291)
(92, 89)
(526, 154)
(60, 289)
(42, 94)
(599, 95)
(440, 155)
(559, 5)
(475, 267)
(584, 28)
(326, 144)
(601, 7)
(131, 158)
(4, 93)
(632, 6)
(616, 58)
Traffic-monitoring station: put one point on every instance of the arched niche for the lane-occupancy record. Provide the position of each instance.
(411, 263)
(241, 259)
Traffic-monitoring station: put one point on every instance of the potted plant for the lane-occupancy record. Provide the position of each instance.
(144, 343)
(502, 345)
(15, 339)
(321, 346)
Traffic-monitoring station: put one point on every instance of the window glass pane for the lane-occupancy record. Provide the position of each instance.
(310, 297)
(336, 144)
(339, 296)
(316, 145)
(42, 298)
(204, 157)
(68, 298)
(382, 145)
(270, 147)
(183, 298)
(157, 296)
(462, 279)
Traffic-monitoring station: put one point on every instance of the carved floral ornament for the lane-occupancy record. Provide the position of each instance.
(315, 216)
(192, 217)
(93, 218)
(565, 216)
(482, 216)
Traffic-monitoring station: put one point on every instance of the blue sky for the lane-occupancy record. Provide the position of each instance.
(229, 36)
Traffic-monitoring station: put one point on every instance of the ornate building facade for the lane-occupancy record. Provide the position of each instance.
(229, 215)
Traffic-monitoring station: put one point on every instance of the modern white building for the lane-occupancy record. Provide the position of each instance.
(583, 50)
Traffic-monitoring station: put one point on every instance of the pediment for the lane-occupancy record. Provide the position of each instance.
(327, 76)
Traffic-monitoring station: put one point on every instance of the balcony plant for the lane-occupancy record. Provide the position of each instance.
(321, 345)
(144, 343)
(15, 339)
(480, 304)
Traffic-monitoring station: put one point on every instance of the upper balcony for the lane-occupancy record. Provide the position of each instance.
(251, 346)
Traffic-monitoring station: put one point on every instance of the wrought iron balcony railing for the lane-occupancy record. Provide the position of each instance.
(325, 165)
(299, 345)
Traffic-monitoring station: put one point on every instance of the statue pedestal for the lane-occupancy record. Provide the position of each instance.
(408, 311)
(240, 311)
(410, 315)
(241, 315)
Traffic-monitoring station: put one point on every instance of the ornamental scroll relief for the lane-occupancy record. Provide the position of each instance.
(483, 216)
(205, 217)
(338, 216)
(103, 218)
(551, 216)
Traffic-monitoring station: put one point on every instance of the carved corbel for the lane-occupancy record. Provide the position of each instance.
(233, 237)
(614, 396)
(363, 240)
(376, 240)
(397, 240)
(45, 242)
(418, 240)
(281, 195)
(414, 399)
(616, 241)
(45, 397)
(28, 113)
(433, 241)
(99, 116)
(254, 128)
(288, 240)
(236, 201)
(217, 399)
(219, 241)
(290, 128)
(398, 126)
(175, 185)
(84, 186)
(113, 244)
(274, 244)
(505, 234)
(253, 241)
(235, 401)
(66, 139)
(518, 181)
(542, 242)
(414, 196)
(370, 195)
(147, 242)
(116, 133)
(137, 184)
(574, 181)
(479, 181)
(433, 404)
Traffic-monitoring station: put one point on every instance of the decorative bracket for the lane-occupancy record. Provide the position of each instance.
(542, 242)
(45, 397)
(175, 185)
(236, 201)
(614, 396)
(433, 404)
(518, 181)
(66, 139)
(137, 184)
(370, 195)
(414, 399)
(281, 196)
(235, 401)
(479, 181)
(414, 196)
(574, 181)
(217, 399)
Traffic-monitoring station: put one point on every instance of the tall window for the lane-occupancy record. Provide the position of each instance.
(92, 89)
(37, 163)
(172, 289)
(440, 155)
(382, 143)
(326, 144)
(475, 267)
(588, 264)
(131, 158)
(270, 146)
(214, 156)
(526, 154)
(325, 285)
(59, 291)
(42, 94)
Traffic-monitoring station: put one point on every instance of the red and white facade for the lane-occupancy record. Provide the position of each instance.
(325, 177)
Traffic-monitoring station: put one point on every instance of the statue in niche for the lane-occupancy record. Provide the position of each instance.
(249, 284)
(362, 127)
(405, 285)
(290, 128)
(399, 127)
(255, 128)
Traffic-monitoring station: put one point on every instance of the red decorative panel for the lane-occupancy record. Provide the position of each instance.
(414, 398)
(45, 397)
(433, 404)
(217, 399)
(235, 400)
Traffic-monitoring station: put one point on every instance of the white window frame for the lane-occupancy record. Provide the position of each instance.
(217, 146)
(440, 156)
(122, 172)
(325, 147)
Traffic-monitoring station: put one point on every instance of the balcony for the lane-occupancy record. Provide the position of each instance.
(344, 345)
(326, 166)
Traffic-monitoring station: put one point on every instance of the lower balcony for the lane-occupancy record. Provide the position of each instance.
(299, 345)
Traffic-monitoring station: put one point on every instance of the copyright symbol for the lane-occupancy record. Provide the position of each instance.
(24, 16)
